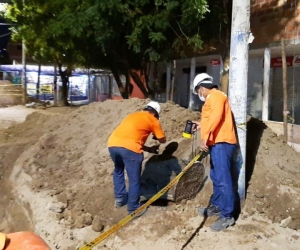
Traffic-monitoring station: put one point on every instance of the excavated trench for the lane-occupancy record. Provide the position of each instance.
(161, 170)
(14, 214)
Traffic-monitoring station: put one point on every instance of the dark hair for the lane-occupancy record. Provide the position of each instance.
(209, 85)
(152, 110)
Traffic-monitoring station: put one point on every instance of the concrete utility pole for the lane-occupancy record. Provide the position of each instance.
(192, 76)
(238, 80)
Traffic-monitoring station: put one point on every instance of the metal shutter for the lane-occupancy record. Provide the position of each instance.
(293, 86)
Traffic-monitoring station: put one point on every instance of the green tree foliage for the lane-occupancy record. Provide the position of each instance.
(122, 36)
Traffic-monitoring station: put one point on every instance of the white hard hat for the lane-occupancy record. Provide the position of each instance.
(201, 78)
(154, 105)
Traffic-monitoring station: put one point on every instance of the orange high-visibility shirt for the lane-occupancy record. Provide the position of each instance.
(216, 119)
(134, 130)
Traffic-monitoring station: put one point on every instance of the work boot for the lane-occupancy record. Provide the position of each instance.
(139, 214)
(210, 211)
(120, 202)
(222, 223)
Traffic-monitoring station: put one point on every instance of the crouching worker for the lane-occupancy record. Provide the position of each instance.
(219, 137)
(22, 241)
(126, 146)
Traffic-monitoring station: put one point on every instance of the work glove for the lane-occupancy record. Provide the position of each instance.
(154, 149)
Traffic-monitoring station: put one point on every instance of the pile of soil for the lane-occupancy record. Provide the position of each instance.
(273, 175)
(62, 169)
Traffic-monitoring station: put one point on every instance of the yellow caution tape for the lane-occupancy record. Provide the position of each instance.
(129, 217)
(242, 126)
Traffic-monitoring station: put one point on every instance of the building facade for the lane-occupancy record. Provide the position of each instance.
(271, 21)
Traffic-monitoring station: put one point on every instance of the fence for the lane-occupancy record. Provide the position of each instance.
(10, 94)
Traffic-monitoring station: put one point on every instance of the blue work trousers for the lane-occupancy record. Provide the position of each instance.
(132, 162)
(221, 160)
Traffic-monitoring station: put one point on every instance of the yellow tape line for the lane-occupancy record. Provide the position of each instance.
(129, 217)
(242, 126)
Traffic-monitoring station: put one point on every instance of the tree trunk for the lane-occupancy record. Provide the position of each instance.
(156, 81)
(146, 70)
(138, 78)
(38, 83)
(134, 78)
(123, 90)
(128, 85)
(65, 84)
(173, 81)
(285, 96)
(23, 78)
(155, 76)
(226, 47)
(225, 74)
(55, 86)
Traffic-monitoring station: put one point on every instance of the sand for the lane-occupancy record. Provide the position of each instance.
(56, 179)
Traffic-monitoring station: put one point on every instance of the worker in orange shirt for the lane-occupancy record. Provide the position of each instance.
(126, 145)
(217, 136)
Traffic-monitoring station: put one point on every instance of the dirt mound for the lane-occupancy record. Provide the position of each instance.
(74, 148)
(273, 175)
(66, 163)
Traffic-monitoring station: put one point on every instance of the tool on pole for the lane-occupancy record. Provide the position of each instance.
(188, 131)
(189, 185)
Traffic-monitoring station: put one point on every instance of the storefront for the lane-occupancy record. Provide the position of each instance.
(293, 89)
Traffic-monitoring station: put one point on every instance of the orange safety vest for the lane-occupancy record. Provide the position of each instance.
(134, 130)
(217, 123)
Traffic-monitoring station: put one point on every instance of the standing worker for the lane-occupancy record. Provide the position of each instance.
(219, 137)
(126, 146)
